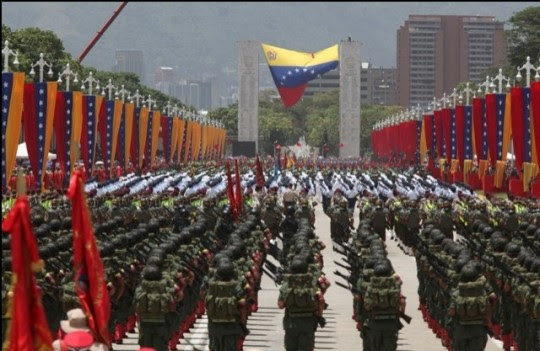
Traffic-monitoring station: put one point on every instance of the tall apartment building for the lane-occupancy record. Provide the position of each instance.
(435, 53)
(130, 61)
(377, 85)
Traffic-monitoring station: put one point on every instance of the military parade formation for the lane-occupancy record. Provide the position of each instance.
(175, 247)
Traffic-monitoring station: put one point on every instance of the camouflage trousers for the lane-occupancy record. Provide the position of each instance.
(299, 333)
(155, 335)
(224, 336)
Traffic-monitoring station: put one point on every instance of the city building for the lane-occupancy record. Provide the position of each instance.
(377, 85)
(435, 53)
(130, 61)
(164, 74)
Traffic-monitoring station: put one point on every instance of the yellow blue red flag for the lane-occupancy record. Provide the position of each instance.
(291, 70)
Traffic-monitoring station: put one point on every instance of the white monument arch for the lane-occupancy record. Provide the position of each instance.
(349, 95)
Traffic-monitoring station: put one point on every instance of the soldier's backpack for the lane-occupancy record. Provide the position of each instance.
(152, 299)
(413, 221)
(383, 295)
(379, 220)
(221, 302)
(299, 294)
(446, 224)
(472, 302)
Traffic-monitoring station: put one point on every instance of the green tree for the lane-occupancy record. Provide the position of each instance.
(30, 42)
(524, 36)
(228, 116)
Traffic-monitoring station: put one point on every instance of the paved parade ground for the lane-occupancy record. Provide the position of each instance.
(340, 331)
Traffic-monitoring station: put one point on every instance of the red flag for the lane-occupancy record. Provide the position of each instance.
(87, 264)
(28, 329)
(259, 175)
(230, 194)
(535, 120)
(239, 196)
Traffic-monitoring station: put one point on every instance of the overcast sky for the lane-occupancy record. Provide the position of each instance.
(200, 38)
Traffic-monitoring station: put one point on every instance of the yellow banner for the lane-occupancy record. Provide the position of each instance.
(76, 128)
(499, 173)
(143, 130)
(13, 127)
(156, 123)
(52, 88)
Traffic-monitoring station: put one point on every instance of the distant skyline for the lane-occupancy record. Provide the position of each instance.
(200, 39)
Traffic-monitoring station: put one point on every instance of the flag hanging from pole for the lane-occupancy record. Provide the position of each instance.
(91, 106)
(230, 194)
(143, 131)
(116, 122)
(129, 134)
(39, 101)
(535, 121)
(88, 269)
(12, 105)
(292, 70)
(507, 125)
(156, 120)
(238, 191)
(62, 130)
(27, 330)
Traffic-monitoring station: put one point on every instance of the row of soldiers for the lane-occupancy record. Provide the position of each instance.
(163, 236)
(304, 284)
(484, 283)
(378, 303)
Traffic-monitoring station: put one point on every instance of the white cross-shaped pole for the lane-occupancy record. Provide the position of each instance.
(90, 80)
(468, 92)
(149, 101)
(499, 78)
(137, 97)
(434, 103)
(68, 73)
(486, 84)
(454, 97)
(41, 63)
(444, 99)
(7, 52)
(175, 110)
(168, 107)
(123, 92)
(527, 67)
(110, 88)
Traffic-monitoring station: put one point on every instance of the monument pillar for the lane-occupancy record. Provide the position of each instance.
(349, 99)
(248, 91)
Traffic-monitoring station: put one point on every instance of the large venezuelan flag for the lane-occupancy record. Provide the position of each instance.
(292, 70)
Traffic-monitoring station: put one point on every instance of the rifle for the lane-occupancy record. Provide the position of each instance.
(343, 266)
(277, 271)
(274, 251)
(346, 277)
(528, 243)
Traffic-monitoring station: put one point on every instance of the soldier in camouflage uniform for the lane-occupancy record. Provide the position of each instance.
(224, 301)
(303, 303)
(154, 300)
